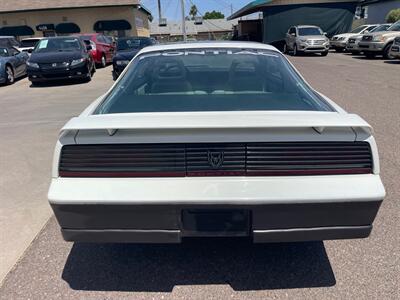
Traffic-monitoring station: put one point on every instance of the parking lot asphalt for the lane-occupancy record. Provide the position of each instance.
(30, 119)
(198, 269)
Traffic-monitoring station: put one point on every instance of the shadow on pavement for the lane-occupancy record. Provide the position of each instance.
(158, 268)
(392, 62)
(54, 83)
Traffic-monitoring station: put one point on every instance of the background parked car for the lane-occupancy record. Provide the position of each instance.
(12, 64)
(127, 48)
(395, 50)
(60, 58)
(354, 40)
(9, 42)
(379, 43)
(103, 52)
(339, 41)
(27, 45)
(306, 39)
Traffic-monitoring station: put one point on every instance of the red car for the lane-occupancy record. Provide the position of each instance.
(103, 50)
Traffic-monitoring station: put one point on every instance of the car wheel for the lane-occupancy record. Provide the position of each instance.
(324, 53)
(386, 52)
(10, 78)
(93, 69)
(103, 61)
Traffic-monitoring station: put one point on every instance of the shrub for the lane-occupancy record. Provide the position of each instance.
(393, 16)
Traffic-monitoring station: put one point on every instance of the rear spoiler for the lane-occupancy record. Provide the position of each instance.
(213, 120)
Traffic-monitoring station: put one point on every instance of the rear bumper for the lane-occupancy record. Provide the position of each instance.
(163, 224)
(279, 209)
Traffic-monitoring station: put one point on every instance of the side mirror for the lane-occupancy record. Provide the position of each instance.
(89, 48)
(325, 33)
(30, 50)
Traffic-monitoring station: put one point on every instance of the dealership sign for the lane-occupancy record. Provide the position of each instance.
(45, 27)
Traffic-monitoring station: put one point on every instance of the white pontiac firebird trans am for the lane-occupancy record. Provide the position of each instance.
(214, 140)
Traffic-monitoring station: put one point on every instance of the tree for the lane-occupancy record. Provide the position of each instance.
(393, 16)
(213, 15)
(193, 11)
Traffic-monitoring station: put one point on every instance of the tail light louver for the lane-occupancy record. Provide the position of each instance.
(230, 159)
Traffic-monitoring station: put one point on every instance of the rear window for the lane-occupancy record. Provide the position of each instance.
(29, 43)
(211, 80)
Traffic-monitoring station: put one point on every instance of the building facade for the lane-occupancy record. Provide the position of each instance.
(25, 18)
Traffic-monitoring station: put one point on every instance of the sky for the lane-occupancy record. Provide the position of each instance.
(172, 8)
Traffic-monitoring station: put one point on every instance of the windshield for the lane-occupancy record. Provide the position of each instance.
(310, 31)
(51, 45)
(358, 29)
(128, 44)
(3, 52)
(211, 80)
(29, 43)
(395, 27)
(380, 28)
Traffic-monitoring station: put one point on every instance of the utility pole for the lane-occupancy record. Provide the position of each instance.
(183, 21)
(159, 12)
(231, 9)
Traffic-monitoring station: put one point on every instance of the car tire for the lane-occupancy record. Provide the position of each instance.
(10, 77)
(88, 77)
(93, 69)
(325, 53)
(386, 52)
(103, 62)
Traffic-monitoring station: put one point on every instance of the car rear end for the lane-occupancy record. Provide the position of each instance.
(204, 163)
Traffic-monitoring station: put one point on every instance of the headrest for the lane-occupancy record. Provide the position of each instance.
(168, 68)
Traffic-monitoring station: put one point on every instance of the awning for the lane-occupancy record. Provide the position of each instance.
(111, 25)
(250, 8)
(45, 27)
(17, 30)
(67, 28)
(262, 5)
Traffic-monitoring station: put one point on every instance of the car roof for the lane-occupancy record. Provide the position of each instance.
(61, 37)
(135, 38)
(207, 45)
(34, 38)
(303, 26)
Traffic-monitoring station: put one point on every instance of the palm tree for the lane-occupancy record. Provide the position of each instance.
(193, 11)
